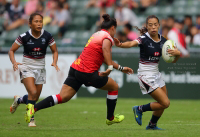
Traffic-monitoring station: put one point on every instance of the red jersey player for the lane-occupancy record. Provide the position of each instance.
(84, 70)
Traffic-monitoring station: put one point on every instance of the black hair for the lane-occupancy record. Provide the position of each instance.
(188, 16)
(171, 17)
(128, 26)
(143, 30)
(198, 16)
(60, 5)
(108, 22)
(32, 16)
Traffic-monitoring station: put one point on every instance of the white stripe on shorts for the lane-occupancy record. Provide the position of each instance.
(112, 96)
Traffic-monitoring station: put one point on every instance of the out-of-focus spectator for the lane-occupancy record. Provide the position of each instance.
(198, 21)
(98, 23)
(165, 31)
(130, 3)
(163, 23)
(130, 35)
(100, 3)
(31, 7)
(196, 39)
(146, 3)
(178, 37)
(193, 32)
(188, 25)
(40, 8)
(170, 22)
(121, 36)
(4, 6)
(61, 18)
(14, 16)
(125, 15)
(65, 4)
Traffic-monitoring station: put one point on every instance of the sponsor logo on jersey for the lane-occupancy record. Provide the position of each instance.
(30, 42)
(37, 49)
(156, 53)
(161, 45)
(150, 46)
(43, 40)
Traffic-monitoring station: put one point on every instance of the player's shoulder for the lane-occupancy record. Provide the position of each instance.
(24, 35)
(46, 33)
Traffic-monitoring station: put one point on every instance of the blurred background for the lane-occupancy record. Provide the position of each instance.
(72, 22)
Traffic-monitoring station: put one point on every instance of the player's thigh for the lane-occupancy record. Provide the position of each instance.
(111, 85)
(164, 88)
(39, 89)
(67, 93)
(29, 84)
(160, 96)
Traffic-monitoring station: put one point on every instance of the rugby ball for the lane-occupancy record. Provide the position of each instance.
(169, 44)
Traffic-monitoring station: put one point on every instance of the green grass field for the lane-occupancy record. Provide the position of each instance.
(85, 117)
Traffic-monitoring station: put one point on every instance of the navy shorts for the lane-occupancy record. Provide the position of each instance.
(76, 78)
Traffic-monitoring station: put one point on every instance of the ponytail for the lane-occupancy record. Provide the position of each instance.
(142, 31)
(108, 22)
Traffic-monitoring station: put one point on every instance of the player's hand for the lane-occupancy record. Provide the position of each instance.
(105, 73)
(174, 52)
(15, 65)
(127, 70)
(117, 42)
(55, 66)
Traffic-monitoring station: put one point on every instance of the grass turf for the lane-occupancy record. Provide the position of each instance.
(85, 117)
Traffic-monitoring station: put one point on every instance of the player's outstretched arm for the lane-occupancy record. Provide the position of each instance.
(55, 56)
(128, 44)
(126, 70)
(11, 52)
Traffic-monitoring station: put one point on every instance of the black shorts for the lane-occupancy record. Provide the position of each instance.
(76, 78)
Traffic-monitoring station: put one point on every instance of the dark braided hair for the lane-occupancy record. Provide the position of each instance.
(32, 16)
(143, 30)
(108, 22)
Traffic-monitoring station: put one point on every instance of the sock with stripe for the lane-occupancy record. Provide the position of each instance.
(111, 103)
(153, 121)
(145, 108)
(23, 100)
(48, 102)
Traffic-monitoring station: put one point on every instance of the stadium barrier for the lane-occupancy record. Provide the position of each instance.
(10, 80)
(182, 78)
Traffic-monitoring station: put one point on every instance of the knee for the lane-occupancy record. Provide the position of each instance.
(166, 104)
(33, 95)
(115, 87)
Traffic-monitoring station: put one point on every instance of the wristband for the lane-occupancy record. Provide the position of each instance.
(120, 68)
(110, 67)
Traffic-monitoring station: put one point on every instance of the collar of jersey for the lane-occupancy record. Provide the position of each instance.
(104, 30)
(42, 31)
(152, 39)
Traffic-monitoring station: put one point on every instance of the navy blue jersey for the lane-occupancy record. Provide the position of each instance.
(150, 50)
(35, 48)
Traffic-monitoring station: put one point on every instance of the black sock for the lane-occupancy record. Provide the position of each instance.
(154, 120)
(145, 108)
(23, 100)
(111, 103)
(31, 102)
(45, 103)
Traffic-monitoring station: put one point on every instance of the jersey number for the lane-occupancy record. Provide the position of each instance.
(89, 41)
